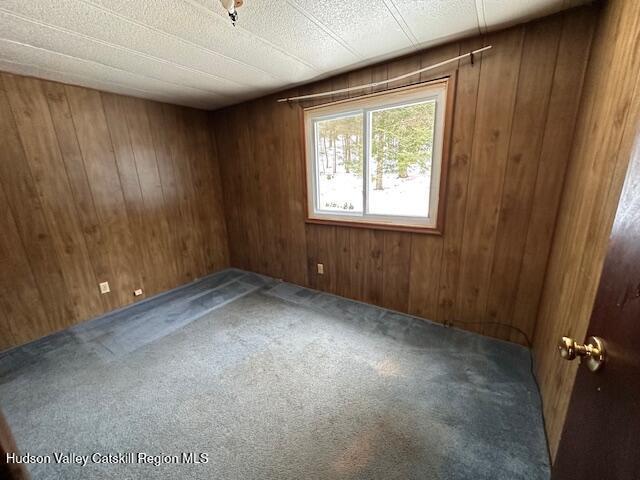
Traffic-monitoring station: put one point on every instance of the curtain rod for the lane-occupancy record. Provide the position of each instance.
(390, 80)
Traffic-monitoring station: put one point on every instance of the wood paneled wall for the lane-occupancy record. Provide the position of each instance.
(513, 125)
(608, 123)
(99, 187)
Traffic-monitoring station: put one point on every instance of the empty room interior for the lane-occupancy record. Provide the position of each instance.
(369, 239)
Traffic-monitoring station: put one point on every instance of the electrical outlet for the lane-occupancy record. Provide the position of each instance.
(321, 269)
(137, 292)
(104, 287)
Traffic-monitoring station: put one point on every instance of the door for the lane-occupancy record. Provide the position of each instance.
(601, 437)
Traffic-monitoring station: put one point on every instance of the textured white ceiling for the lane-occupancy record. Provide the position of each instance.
(187, 52)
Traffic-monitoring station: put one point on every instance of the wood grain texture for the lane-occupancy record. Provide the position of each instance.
(89, 193)
(561, 117)
(23, 202)
(527, 132)
(606, 128)
(492, 130)
(468, 80)
(94, 235)
(514, 109)
(43, 156)
(610, 400)
(19, 306)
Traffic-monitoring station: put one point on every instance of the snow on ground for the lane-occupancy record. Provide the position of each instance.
(401, 196)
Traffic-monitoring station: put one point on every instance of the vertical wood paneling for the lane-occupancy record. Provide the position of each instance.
(229, 153)
(102, 187)
(38, 138)
(374, 267)
(24, 203)
(177, 129)
(426, 251)
(396, 258)
(249, 199)
(266, 144)
(512, 128)
(294, 242)
(607, 125)
(158, 237)
(88, 193)
(20, 301)
(395, 270)
(342, 246)
(343, 262)
(67, 140)
(102, 174)
(320, 239)
(561, 118)
(468, 79)
(208, 199)
(161, 132)
(530, 116)
(123, 175)
(494, 117)
(424, 276)
(364, 274)
(9, 338)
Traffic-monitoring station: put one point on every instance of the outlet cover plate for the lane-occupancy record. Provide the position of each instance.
(104, 287)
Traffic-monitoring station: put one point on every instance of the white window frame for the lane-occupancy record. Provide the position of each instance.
(436, 91)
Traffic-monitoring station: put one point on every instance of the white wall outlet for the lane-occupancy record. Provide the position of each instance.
(137, 292)
(321, 269)
(104, 287)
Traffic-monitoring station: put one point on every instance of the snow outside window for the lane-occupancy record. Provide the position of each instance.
(377, 159)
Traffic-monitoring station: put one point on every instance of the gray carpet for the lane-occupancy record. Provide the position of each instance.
(273, 381)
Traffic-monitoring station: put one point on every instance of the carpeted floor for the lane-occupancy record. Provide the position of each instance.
(273, 381)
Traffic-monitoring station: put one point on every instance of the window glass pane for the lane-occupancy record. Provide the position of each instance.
(339, 163)
(401, 146)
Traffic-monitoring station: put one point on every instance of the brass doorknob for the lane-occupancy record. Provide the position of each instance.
(593, 351)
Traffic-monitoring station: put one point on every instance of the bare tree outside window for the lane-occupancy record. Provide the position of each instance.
(377, 160)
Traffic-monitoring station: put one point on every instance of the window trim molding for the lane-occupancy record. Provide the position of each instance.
(449, 83)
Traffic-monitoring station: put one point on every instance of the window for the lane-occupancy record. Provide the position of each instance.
(377, 160)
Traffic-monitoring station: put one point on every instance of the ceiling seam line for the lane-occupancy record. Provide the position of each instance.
(98, 63)
(198, 46)
(397, 16)
(251, 34)
(181, 39)
(327, 30)
(120, 47)
(89, 79)
(481, 16)
(484, 17)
